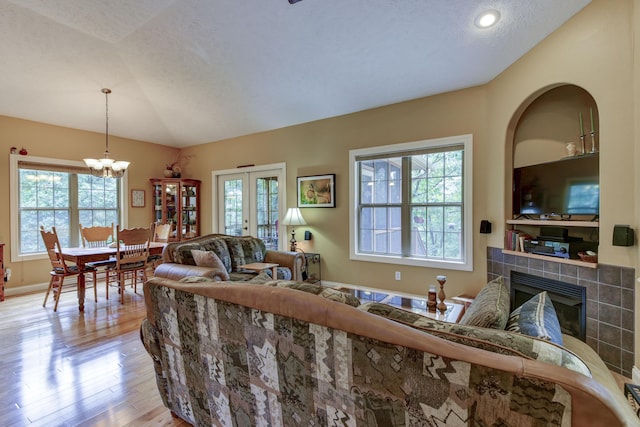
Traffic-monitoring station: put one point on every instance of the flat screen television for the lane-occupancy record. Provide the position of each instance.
(566, 187)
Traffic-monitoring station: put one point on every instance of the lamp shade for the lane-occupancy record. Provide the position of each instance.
(293, 217)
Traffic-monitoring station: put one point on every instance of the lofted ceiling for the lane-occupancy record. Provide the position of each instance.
(187, 72)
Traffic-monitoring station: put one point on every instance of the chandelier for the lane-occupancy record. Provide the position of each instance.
(106, 167)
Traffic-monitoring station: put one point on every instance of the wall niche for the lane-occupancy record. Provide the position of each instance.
(549, 122)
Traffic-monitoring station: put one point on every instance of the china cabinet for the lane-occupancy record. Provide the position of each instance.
(177, 201)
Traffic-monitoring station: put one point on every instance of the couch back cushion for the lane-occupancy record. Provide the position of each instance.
(244, 250)
(496, 341)
(183, 255)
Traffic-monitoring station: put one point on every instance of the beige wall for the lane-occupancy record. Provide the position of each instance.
(594, 50)
(42, 140)
(322, 147)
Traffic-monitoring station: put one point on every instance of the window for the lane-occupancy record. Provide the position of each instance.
(411, 203)
(58, 193)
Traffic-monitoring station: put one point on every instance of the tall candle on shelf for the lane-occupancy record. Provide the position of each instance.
(581, 125)
(593, 129)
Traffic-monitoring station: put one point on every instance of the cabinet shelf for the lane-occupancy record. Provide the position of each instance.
(554, 223)
(576, 262)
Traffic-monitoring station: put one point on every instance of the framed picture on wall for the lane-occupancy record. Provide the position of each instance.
(317, 191)
(137, 198)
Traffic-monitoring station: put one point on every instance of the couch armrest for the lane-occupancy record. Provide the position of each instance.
(600, 372)
(293, 260)
(150, 339)
(174, 271)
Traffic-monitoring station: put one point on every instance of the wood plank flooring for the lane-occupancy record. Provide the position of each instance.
(68, 368)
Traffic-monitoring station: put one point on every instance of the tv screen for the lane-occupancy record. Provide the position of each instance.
(566, 187)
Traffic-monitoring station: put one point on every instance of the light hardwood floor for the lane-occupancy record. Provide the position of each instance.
(77, 369)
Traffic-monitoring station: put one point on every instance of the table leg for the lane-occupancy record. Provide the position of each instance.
(274, 273)
(81, 287)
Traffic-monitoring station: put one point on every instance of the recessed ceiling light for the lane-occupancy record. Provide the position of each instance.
(487, 19)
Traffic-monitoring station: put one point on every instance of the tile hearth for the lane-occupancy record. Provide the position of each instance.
(610, 301)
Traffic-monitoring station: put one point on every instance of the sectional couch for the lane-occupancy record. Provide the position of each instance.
(273, 352)
(232, 251)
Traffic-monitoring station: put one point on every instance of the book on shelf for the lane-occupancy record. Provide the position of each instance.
(514, 240)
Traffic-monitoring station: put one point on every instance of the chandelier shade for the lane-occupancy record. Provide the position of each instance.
(106, 167)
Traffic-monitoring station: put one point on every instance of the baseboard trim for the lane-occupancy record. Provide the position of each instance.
(23, 290)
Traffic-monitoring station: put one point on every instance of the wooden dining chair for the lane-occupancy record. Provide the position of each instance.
(161, 234)
(59, 268)
(98, 237)
(131, 258)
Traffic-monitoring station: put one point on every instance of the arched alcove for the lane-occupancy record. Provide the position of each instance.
(544, 124)
(551, 121)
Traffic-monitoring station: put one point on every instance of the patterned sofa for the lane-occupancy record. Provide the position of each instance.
(296, 354)
(233, 251)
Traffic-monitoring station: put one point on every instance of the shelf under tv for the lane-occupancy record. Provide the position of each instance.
(553, 259)
(554, 223)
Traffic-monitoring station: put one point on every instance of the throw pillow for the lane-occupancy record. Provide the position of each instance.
(490, 308)
(536, 318)
(209, 259)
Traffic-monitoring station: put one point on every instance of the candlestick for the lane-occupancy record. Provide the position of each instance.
(592, 127)
(582, 144)
(442, 307)
(581, 126)
(593, 142)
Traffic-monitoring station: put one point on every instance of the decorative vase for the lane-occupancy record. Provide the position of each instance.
(168, 173)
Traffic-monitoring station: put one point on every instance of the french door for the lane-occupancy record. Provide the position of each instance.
(251, 202)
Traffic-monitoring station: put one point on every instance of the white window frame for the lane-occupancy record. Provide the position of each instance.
(466, 264)
(14, 202)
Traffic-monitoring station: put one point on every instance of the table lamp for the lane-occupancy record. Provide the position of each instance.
(293, 218)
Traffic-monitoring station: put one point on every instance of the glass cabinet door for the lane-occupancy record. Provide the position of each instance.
(189, 211)
(176, 202)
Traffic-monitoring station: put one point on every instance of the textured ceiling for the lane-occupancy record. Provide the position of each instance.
(186, 72)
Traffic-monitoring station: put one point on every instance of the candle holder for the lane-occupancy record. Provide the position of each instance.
(442, 307)
(582, 144)
(431, 299)
(593, 141)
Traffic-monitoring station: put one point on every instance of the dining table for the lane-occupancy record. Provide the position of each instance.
(83, 255)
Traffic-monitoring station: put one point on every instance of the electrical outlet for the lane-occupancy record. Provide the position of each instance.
(398, 275)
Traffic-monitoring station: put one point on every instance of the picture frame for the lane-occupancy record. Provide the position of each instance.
(137, 199)
(317, 191)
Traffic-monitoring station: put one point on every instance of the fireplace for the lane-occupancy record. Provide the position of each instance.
(569, 300)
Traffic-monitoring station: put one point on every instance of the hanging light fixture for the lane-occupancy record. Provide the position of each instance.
(106, 167)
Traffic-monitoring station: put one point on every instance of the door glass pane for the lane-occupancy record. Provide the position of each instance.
(233, 207)
(171, 195)
(267, 211)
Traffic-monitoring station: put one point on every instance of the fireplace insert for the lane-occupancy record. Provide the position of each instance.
(569, 300)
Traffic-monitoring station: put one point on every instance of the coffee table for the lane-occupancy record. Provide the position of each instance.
(260, 266)
(414, 303)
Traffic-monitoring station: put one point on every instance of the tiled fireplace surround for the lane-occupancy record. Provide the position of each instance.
(610, 301)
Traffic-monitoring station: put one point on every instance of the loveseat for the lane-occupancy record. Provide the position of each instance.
(288, 353)
(232, 251)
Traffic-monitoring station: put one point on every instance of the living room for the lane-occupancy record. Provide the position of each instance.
(595, 50)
